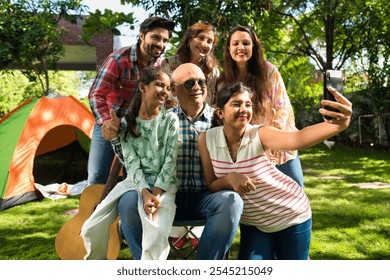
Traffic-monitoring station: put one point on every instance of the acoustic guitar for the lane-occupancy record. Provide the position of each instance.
(68, 243)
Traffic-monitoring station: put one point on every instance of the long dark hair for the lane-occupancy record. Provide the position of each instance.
(224, 96)
(149, 74)
(184, 52)
(257, 69)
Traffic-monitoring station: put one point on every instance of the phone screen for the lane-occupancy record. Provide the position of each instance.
(333, 78)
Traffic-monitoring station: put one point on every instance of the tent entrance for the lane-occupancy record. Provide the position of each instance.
(66, 164)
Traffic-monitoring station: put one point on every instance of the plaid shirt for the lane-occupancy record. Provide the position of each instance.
(116, 83)
(189, 167)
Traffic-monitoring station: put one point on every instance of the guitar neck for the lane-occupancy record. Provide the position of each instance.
(114, 172)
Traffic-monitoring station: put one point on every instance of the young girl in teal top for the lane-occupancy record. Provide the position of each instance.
(146, 146)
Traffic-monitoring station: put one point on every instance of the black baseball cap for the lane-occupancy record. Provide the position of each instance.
(153, 22)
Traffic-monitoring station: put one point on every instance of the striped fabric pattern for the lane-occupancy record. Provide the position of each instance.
(278, 201)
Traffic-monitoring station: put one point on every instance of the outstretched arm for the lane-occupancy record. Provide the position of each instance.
(273, 138)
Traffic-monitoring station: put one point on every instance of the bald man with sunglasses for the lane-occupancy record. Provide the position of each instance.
(222, 210)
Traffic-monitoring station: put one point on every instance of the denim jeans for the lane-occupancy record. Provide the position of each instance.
(293, 169)
(292, 243)
(131, 225)
(100, 158)
(222, 210)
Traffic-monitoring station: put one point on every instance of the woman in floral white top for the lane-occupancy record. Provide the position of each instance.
(197, 46)
(244, 61)
(147, 148)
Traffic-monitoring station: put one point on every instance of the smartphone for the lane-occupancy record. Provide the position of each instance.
(333, 78)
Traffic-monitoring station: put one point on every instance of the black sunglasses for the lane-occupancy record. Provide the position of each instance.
(189, 84)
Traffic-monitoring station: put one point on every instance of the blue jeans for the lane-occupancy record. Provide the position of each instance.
(293, 169)
(100, 158)
(222, 210)
(131, 222)
(292, 243)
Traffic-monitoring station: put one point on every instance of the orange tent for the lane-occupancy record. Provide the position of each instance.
(32, 131)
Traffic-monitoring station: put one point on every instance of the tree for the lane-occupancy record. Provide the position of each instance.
(15, 87)
(12, 90)
(376, 54)
(98, 22)
(222, 14)
(30, 38)
(335, 34)
(332, 34)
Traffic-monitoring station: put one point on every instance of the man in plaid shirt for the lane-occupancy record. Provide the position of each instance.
(115, 85)
(221, 210)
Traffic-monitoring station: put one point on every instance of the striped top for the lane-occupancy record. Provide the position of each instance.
(278, 201)
(276, 97)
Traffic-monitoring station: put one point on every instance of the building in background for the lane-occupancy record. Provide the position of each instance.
(82, 56)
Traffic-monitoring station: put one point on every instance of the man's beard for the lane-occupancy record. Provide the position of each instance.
(149, 49)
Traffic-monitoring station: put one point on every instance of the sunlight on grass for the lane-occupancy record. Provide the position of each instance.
(348, 222)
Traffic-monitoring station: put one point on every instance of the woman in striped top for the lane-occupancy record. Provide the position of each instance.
(276, 210)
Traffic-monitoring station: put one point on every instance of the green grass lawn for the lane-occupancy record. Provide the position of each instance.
(349, 222)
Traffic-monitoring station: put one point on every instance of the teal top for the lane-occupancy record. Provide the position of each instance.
(150, 159)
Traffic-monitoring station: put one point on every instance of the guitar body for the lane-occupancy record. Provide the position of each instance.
(69, 244)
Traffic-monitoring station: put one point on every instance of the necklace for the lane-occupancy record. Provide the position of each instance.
(234, 154)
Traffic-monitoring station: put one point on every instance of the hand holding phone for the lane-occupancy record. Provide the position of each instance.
(333, 78)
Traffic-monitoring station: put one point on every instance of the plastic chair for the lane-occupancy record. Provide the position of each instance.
(187, 251)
